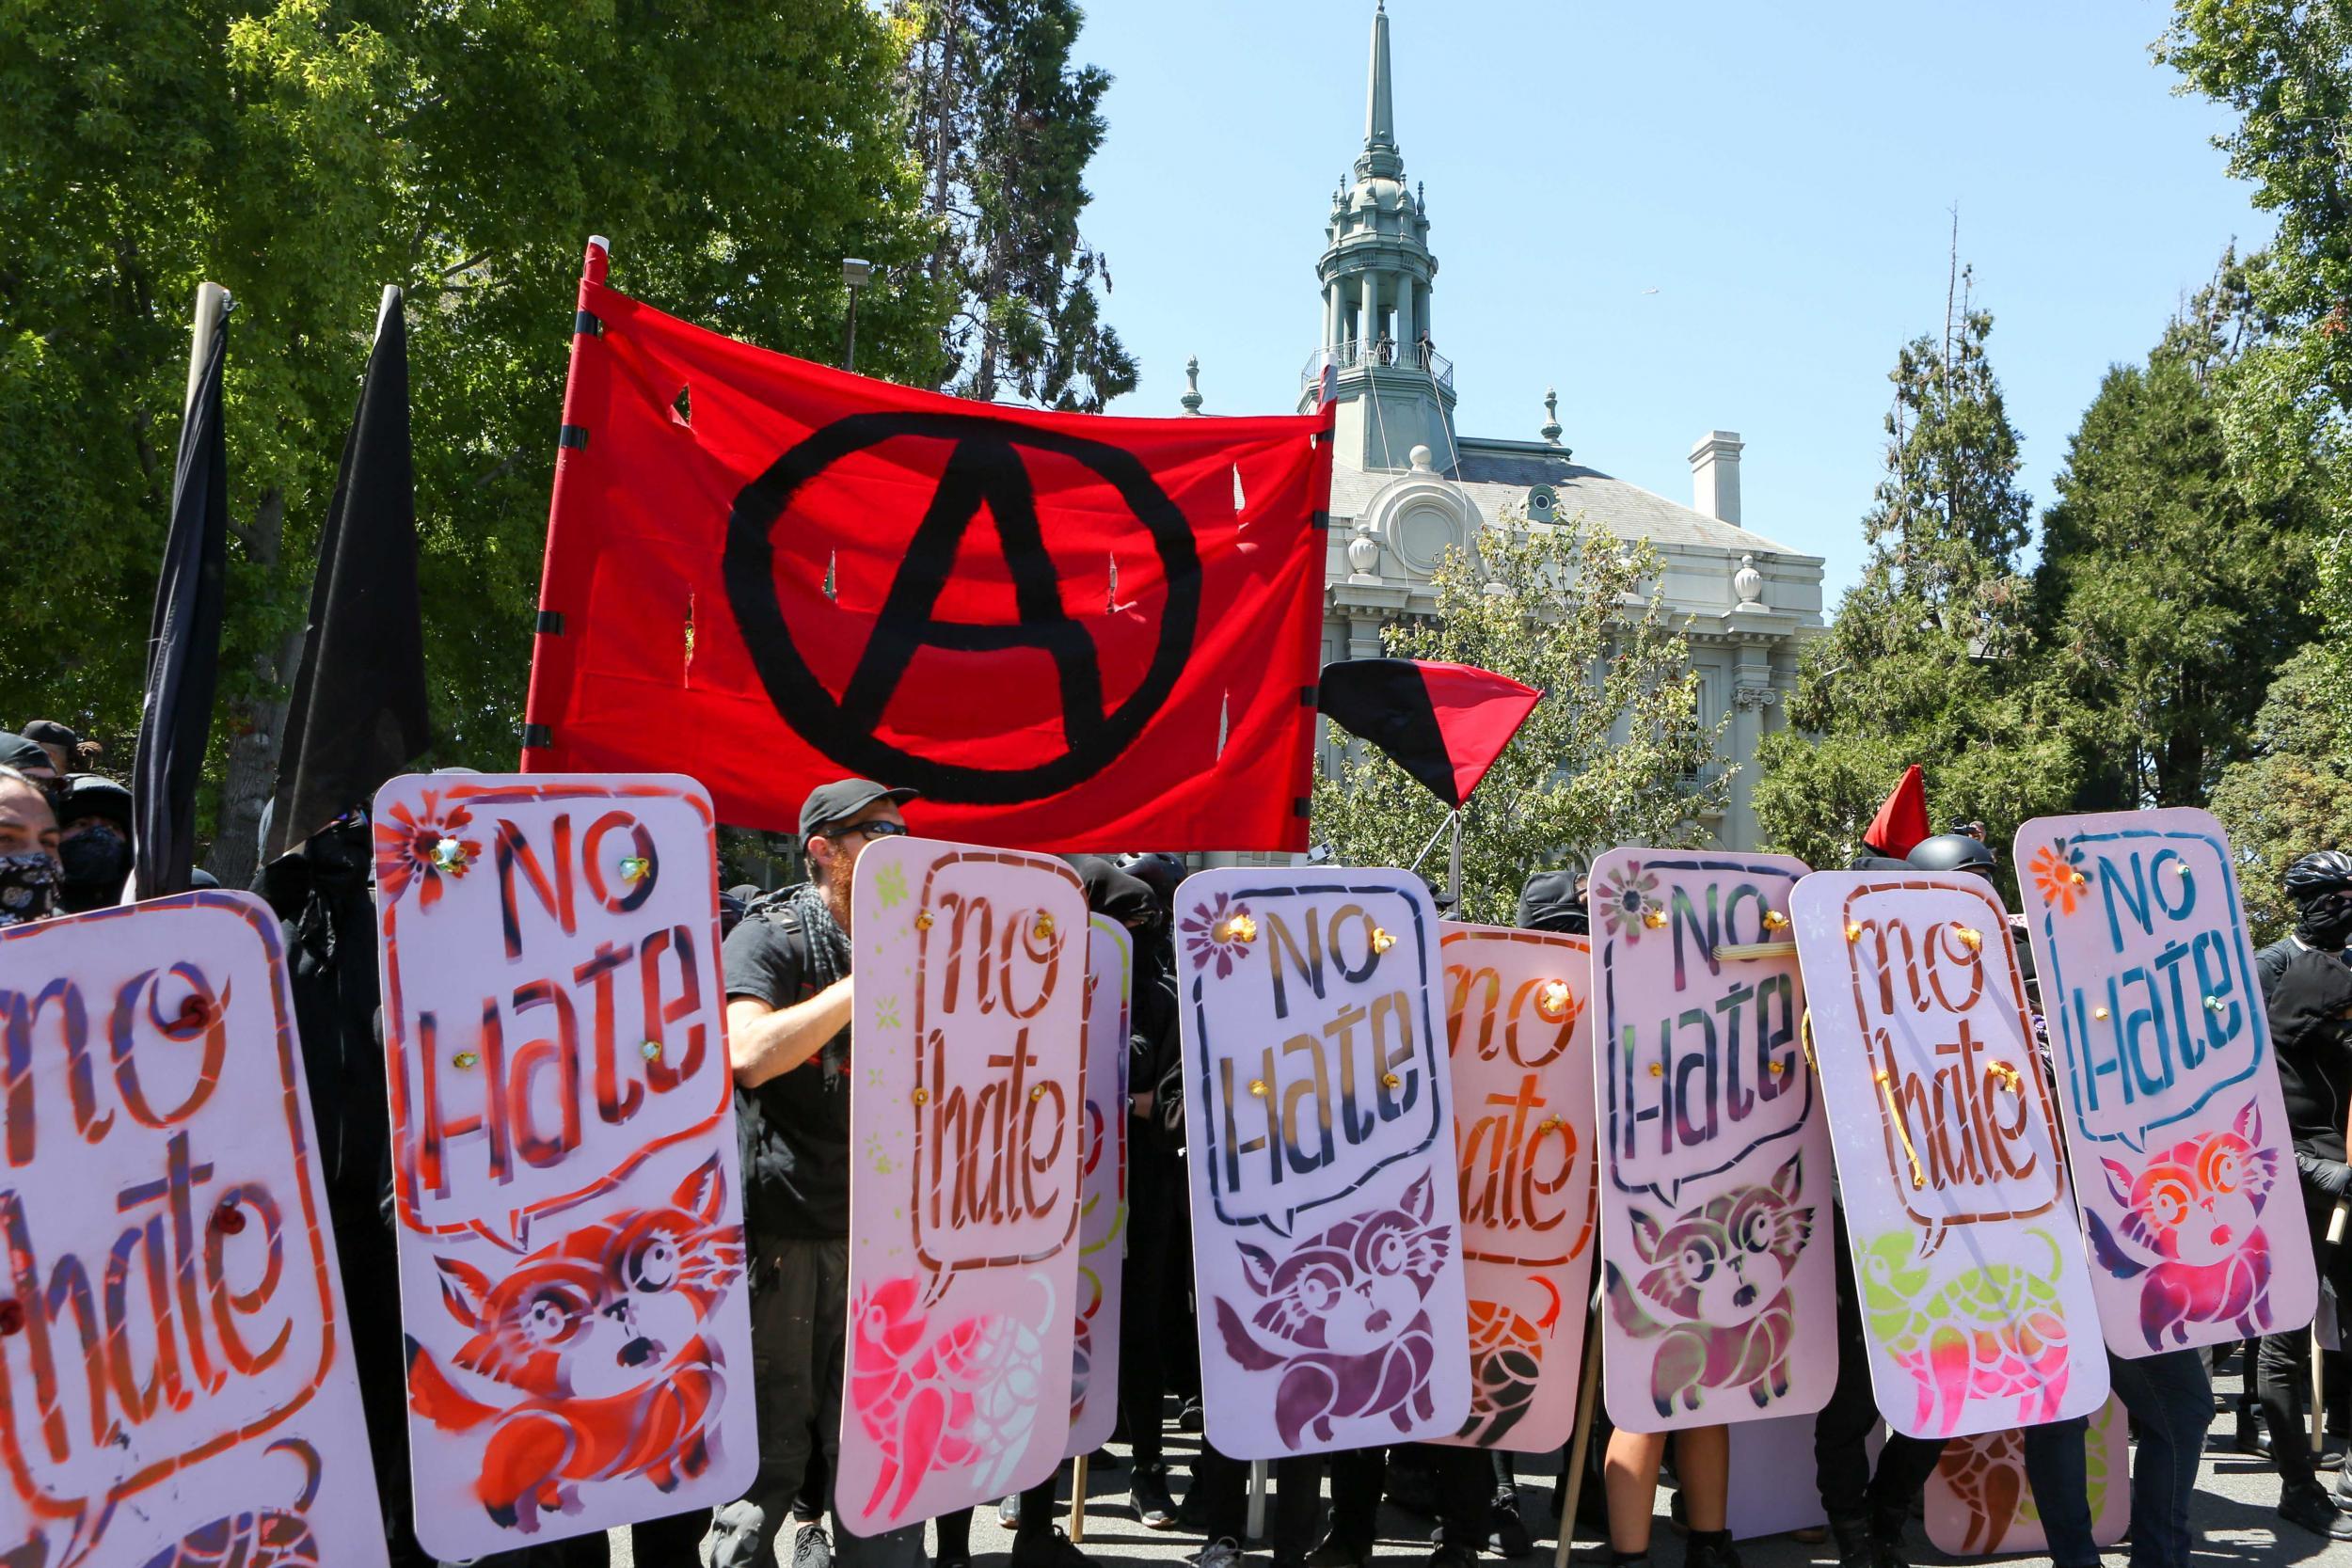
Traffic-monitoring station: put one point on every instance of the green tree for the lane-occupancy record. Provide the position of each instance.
(304, 153)
(1923, 663)
(1614, 754)
(2167, 595)
(1004, 126)
(2294, 794)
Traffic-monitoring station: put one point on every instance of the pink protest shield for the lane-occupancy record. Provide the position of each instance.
(1975, 1294)
(1520, 1020)
(1979, 1503)
(569, 1210)
(1102, 1193)
(1715, 1163)
(964, 1177)
(1319, 1138)
(2167, 1090)
(158, 1127)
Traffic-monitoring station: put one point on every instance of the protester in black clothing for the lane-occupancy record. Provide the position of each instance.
(789, 1001)
(2307, 994)
(94, 841)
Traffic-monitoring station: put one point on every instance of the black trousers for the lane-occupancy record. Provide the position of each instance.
(2285, 1362)
(1221, 1494)
(1146, 1318)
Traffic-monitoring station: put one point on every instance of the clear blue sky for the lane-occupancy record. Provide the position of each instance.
(1782, 176)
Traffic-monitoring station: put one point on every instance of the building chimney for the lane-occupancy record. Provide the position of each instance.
(1715, 476)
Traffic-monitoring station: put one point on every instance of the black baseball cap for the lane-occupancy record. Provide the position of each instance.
(845, 798)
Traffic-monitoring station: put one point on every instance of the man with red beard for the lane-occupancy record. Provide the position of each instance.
(788, 979)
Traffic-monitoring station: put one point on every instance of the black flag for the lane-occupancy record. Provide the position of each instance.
(184, 640)
(358, 709)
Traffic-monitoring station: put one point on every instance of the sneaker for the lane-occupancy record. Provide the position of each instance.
(2250, 1437)
(1189, 1419)
(812, 1547)
(1055, 1550)
(1225, 1553)
(1147, 1490)
(1510, 1537)
(1009, 1511)
(2316, 1512)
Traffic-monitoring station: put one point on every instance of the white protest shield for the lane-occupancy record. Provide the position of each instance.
(968, 1092)
(1519, 1022)
(1319, 1139)
(569, 1210)
(1721, 1288)
(1980, 1503)
(175, 1371)
(1975, 1294)
(1102, 1191)
(2168, 1089)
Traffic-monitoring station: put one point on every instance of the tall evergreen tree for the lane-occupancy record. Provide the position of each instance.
(2167, 594)
(1923, 661)
(1004, 125)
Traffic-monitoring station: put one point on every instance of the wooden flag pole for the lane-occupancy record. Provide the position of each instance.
(1255, 1522)
(1580, 1444)
(1078, 1500)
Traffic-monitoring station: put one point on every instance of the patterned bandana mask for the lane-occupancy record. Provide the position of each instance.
(29, 886)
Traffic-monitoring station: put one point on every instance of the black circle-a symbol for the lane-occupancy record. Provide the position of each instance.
(983, 466)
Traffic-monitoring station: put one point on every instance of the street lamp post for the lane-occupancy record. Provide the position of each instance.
(855, 273)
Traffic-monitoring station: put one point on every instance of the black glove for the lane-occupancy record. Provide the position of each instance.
(2329, 1178)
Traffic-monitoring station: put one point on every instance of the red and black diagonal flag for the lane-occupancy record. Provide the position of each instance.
(358, 715)
(1443, 723)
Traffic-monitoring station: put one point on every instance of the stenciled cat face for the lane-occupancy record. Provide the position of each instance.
(602, 1311)
(1727, 1260)
(2198, 1201)
(1353, 1287)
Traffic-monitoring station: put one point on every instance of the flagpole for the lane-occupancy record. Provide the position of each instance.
(1454, 869)
(384, 309)
(212, 305)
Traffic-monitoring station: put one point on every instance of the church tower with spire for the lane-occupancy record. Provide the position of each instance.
(1395, 390)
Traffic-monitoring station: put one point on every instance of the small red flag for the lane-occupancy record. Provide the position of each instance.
(1902, 821)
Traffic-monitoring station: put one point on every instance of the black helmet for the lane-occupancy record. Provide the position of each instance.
(1953, 852)
(1554, 901)
(1160, 872)
(2322, 872)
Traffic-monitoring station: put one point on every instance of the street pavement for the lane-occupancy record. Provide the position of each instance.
(2233, 1516)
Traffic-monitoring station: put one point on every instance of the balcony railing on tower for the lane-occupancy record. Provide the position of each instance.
(1356, 353)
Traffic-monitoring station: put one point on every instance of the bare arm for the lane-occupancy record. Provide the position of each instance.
(764, 1042)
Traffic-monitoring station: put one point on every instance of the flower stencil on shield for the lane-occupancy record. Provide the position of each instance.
(423, 847)
(1625, 900)
(1218, 933)
(2059, 876)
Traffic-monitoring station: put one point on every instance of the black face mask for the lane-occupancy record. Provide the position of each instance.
(28, 886)
(2326, 922)
(340, 854)
(95, 859)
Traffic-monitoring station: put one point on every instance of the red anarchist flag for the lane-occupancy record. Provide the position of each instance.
(1443, 723)
(1902, 821)
(1069, 632)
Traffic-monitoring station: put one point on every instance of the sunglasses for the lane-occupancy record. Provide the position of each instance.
(881, 826)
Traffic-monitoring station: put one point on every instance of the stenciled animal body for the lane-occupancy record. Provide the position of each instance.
(1995, 1332)
(1718, 1279)
(1506, 1359)
(964, 1397)
(260, 1537)
(600, 1335)
(1344, 1320)
(2192, 1225)
(1987, 1477)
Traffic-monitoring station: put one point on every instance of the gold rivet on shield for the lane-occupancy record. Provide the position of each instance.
(1658, 1069)
(1549, 1123)
(1654, 916)
(2213, 1004)
(922, 1096)
(1853, 930)
(1552, 1003)
(2081, 880)
(1969, 937)
(1045, 926)
(2180, 868)
(1382, 940)
(922, 920)
(465, 1059)
(1391, 1080)
(1774, 920)
(650, 1049)
(1776, 1068)
(2098, 1012)
(2007, 1074)
(1257, 1086)
(1037, 1092)
(634, 868)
